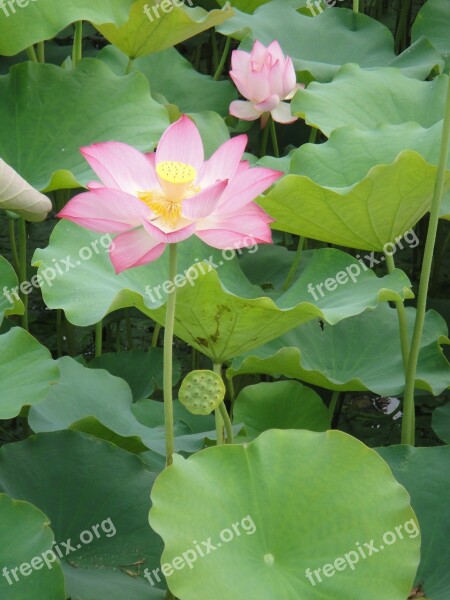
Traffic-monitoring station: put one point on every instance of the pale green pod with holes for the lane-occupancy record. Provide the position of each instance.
(201, 392)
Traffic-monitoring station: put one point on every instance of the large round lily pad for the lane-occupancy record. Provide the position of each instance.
(280, 405)
(290, 505)
(10, 303)
(218, 310)
(26, 540)
(27, 372)
(97, 499)
(351, 355)
(90, 104)
(319, 45)
(425, 473)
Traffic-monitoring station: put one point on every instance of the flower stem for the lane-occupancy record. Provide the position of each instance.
(273, 133)
(356, 6)
(265, 136)
(297, 258)
(168, 356)
(23, 267)
(129, 329)
(223, 59)
(403, 323)
(77, 49)
(98, 338)
(408, 425)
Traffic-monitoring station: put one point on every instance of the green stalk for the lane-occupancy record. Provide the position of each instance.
(217, 368)
(155, 335)
(13, 244)
(41, 52)
(265, 136)
(402, 321)
(403, 25)
(295, 263)
(312, 135)
(273, 133)
(77, 49)
(129, 66)
(98, 338)
(23, 268)
(226, 419)
(223, 59)
(356, 6)
(408, 425)
(31, 54)
(168, 356)
(333, 404)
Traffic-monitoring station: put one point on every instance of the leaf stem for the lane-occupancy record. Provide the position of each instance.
(23, 268)
(98, 338)
(13, 244)
(226, 419)
(408, 425)
(168, 356)
(217, 368)
(41, 52)
(295, 263)
(155, 335)
(402, 321)
(356, 6)
(223, 59)
(77, 49)
(31, 54)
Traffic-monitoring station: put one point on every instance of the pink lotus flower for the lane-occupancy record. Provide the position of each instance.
(265, 77)
(164, 197)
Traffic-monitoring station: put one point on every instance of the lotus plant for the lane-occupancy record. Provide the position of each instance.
(266, 77)
(162, 198)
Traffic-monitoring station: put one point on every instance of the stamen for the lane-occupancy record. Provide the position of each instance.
(169, 210)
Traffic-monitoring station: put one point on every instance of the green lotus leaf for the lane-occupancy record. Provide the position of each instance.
(172, 76)
(350, 153)
(141, 369)
(433, 22)
(349, 38)
(275, 521)
(366, 99)
(93, 401)
(27, 372)
(280, 405)
(10, 303)
(27, 22)
(357, 354)
(143, 34)
(90, 104)
(441, 422)
(221, 312)
(425, 473)
(377, 210)
(27, 538)
(96, 497)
